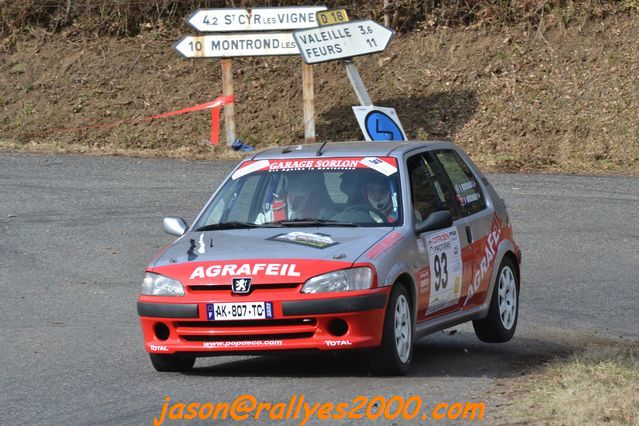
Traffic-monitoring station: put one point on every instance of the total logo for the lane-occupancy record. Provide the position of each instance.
(338, 342)
(159, 348)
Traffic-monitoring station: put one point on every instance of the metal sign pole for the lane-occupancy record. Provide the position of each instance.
(357, 83)
(308, 96)
(229, 108)
(386, 13)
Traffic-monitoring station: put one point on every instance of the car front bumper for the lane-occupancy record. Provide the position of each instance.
(311, 322)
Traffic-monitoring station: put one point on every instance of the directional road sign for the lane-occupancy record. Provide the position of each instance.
(379, 123)
(330, 42)
(255, 19)
(235, 45)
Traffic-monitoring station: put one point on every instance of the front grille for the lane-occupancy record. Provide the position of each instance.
(283, 336)
(280, 329)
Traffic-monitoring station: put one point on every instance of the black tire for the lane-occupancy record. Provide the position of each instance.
(493, 328)
(176, 363)
(386, 359)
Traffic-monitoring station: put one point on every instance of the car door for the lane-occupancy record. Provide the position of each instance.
(480, 222)
(445, 261)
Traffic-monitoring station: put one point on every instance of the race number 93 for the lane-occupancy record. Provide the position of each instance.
(441, 271)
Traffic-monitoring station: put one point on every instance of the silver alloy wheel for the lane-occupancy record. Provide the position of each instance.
(507, 293)
(403, 335)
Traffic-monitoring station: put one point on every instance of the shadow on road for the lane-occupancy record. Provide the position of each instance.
(441, 355)
(438, 116)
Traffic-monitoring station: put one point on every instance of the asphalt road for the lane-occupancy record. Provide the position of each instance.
(76, 233)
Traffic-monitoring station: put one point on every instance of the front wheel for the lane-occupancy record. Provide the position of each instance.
(394, 355)
(172, 363)
(499, 326)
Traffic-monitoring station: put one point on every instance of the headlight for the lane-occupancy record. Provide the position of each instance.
(344, 280)
(158, 285)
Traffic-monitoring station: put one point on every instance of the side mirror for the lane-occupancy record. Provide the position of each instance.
(174, 226)
(436, 220)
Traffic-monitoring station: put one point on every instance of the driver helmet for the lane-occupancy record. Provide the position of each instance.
(378, 193)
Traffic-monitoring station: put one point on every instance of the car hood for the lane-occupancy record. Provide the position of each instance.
(291, 254)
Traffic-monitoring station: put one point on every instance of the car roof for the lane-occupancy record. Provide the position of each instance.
(347, 149)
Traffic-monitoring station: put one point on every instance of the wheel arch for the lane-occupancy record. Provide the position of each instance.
(513, 258)
(407, 281)
(505, 249)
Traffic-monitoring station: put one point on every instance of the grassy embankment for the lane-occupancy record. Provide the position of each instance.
(599, 385)
(521, 85)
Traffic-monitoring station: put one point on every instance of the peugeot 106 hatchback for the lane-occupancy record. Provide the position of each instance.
(344, 246)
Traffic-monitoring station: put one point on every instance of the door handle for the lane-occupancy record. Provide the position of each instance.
(469, 234)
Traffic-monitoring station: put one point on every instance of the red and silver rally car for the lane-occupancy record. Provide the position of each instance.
(339, 247)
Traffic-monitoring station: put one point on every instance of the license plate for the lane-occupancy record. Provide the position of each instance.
(239, 311)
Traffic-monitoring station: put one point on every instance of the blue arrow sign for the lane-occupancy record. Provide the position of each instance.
(381, 127)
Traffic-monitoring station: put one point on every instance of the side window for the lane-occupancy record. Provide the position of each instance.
(426, 194)
(466, 186)
(442, 185)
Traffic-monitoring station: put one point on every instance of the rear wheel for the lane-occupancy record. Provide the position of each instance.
(172, 363)
(499, 326)
(394, 355)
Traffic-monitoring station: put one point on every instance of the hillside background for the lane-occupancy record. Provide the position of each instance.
(522, 85)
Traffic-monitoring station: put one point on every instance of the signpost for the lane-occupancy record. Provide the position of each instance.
(308, 95)
(254, 19)
(338, 38)
(239, 39)
(229, 109)
(339, 41)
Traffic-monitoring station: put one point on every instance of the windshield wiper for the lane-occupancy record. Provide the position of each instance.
(227, 225)
(311, 222)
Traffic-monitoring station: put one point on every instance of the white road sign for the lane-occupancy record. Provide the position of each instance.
(255, 19)
(235, 45)
(331, 42)
(379, 123)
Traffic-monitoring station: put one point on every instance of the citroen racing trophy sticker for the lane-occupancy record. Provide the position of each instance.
(444, 258)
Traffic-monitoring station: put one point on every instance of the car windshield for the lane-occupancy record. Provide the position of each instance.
(352, 191)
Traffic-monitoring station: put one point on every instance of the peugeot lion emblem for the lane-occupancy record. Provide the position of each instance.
(241, 285)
